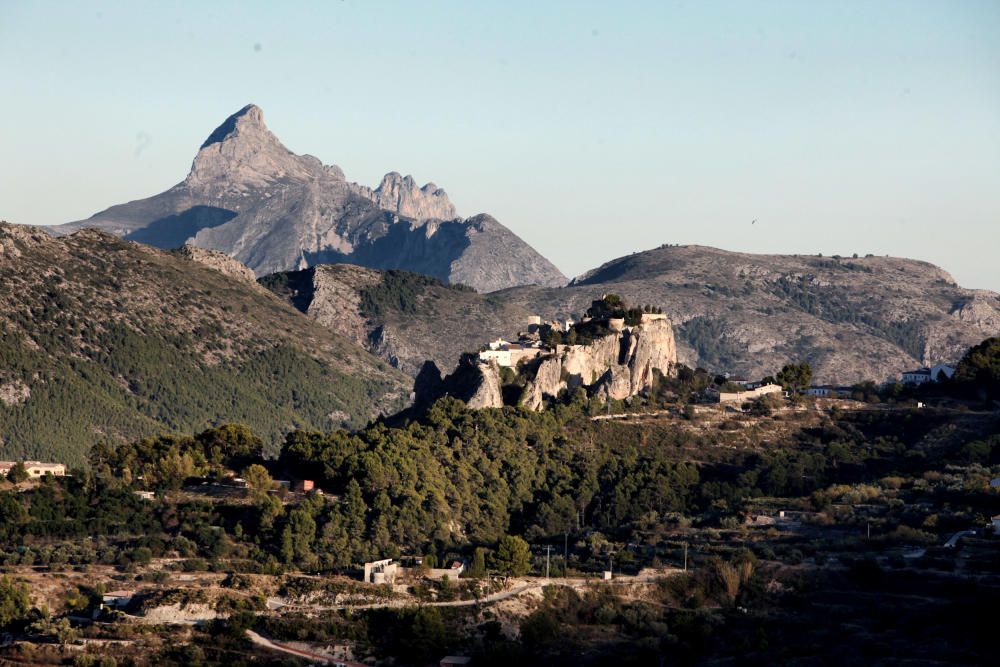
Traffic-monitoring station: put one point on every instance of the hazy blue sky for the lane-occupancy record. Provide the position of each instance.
(591, 129)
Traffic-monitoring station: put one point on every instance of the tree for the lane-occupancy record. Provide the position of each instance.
(979, 369)
(478, 568)
(795, 376)
(427, 634)
(258, 480)
(15, 603)
(18, 473)
(513, 556)
(298, 537)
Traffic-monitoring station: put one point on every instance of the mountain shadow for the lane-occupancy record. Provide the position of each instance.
(174, 230)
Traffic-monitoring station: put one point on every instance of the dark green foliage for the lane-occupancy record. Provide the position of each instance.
(707, 336)
(102, 340)
(399, 291)
(795, 376)
(513, 556)
(14, 602)
(76, 400)
(18, 473)
(979, 370)
(834, 305)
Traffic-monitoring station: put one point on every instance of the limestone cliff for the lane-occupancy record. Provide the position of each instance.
(615, 366)
(478, 385)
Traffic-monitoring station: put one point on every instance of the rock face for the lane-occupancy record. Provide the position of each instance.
(478, 385)
(251, 198)
(852, 319)
(403, 195)
(221, 262)
(404, 318)
(615, 366)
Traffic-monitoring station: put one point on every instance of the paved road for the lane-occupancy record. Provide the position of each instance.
(315, 657)
(953, 540)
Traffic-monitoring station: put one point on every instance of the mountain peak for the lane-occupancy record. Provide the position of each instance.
(243, 152)
(402, 194)
(251, 115)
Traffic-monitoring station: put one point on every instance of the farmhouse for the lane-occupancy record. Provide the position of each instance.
(35, 468)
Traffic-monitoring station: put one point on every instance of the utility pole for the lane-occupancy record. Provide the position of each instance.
(611, 566)
(565, 553)
(868, 525)
(548, 550)
(685, 556)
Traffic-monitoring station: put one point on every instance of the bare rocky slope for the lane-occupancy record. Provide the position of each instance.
(253, 199)
(105, 339)
(853, 318)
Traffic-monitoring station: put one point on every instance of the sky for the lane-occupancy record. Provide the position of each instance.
(590, 129)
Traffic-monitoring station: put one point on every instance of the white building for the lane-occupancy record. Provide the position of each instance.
(932, 374)
(35, 468)
(508, 354)
(825, 391)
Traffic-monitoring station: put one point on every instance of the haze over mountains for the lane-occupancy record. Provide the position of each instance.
(250, 197)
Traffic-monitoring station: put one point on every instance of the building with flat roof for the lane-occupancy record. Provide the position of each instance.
(35, 468)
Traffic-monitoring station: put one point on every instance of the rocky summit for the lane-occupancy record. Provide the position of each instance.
(253, 199)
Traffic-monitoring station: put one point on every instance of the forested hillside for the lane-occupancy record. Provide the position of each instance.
(103, 339)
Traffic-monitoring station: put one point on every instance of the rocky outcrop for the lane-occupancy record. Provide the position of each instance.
(478, 385)
(253, 199)
(615, 366)
(547, 383)
(487, 393)
(219, 261)
(402, 195)
(982, 310)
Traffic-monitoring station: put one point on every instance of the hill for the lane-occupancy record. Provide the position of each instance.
(104, 339)
(250, 197)
(403, 317)
(852, 318)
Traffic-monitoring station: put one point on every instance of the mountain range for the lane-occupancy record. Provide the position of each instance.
(852, 319)
(251, 198)
(385, 268)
